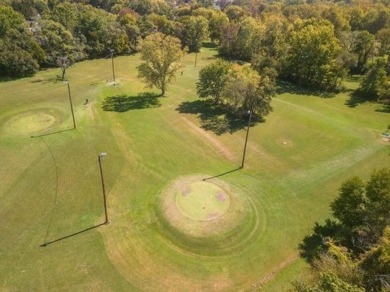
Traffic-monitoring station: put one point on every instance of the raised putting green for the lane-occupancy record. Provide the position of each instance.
(36, 121)
(202, 201)
(196, 213)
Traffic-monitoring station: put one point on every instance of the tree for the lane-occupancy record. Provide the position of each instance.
(99, 32)
(376, 263)
(57, 41)
(312, 58)
(383, 36)
(161, 54)
(224, 3)
(63, 63)
(30, 8)
(241, 40)
(216, 21)
(235, 12)
(338, 18)
(349, 206)
(20, 54)
(128, 21)
(363, 43)
(246, 90)
(378, 195)
(195, 31)
(364, 209)
(384, 95)
(206, 3)
(67, 14)
(212, 80)
(374, 81)
(161, 23)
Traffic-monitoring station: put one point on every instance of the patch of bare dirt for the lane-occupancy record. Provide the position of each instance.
(274, 272)
(222, 149)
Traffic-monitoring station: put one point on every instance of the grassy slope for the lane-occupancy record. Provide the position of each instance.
(295, 163)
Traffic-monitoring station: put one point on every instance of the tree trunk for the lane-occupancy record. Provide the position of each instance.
(63, 74)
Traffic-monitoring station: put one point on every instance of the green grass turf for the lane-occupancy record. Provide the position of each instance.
(50, 185)
(202, 201)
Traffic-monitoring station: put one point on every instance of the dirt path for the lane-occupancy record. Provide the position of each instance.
(274, 272)
(222, 149)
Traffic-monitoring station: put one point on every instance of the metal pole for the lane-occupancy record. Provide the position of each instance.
(196, 51)
(112, 64)
(71, 105)
(246, 139)
(104, 189)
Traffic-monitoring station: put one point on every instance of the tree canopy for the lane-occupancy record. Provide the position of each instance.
(354, 252)
(160, 54)
(240, 87)
(312, 44)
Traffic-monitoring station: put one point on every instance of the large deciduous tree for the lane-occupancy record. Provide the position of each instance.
(57, 41)
(246, 90)
(212, 80)
(363, 44)
(312, 58)
(240, 87)
(195, 31)
(241, 40)
(364, 208)
(375, 81)
(160, 54)
(217, 20)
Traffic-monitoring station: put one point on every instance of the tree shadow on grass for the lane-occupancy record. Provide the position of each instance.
(287, 87)
(384, 108)
(313, 245)
(358, 97)
(123, 103)
(217, 118)
(355, 98)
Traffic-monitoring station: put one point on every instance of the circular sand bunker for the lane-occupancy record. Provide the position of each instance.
(33, 122)
(205, 216)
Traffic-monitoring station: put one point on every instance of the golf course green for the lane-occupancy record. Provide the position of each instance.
(182, 215)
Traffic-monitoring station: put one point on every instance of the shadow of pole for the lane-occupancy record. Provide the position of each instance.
(48, 134)
(71, 235)
(222, 174)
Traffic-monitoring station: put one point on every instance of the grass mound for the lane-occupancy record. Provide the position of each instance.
(33, 121)
(205, 216)
(203, 201)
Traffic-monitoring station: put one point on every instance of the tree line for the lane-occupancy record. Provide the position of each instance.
(314, 44)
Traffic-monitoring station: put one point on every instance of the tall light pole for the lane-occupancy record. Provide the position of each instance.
(71, 104)
(246, 138)
(100, 156)
(196, 51)
(112, 64)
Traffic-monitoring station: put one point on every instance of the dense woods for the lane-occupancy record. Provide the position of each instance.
(314, 44)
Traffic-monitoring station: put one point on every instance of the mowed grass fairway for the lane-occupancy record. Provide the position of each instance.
(50, 185)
